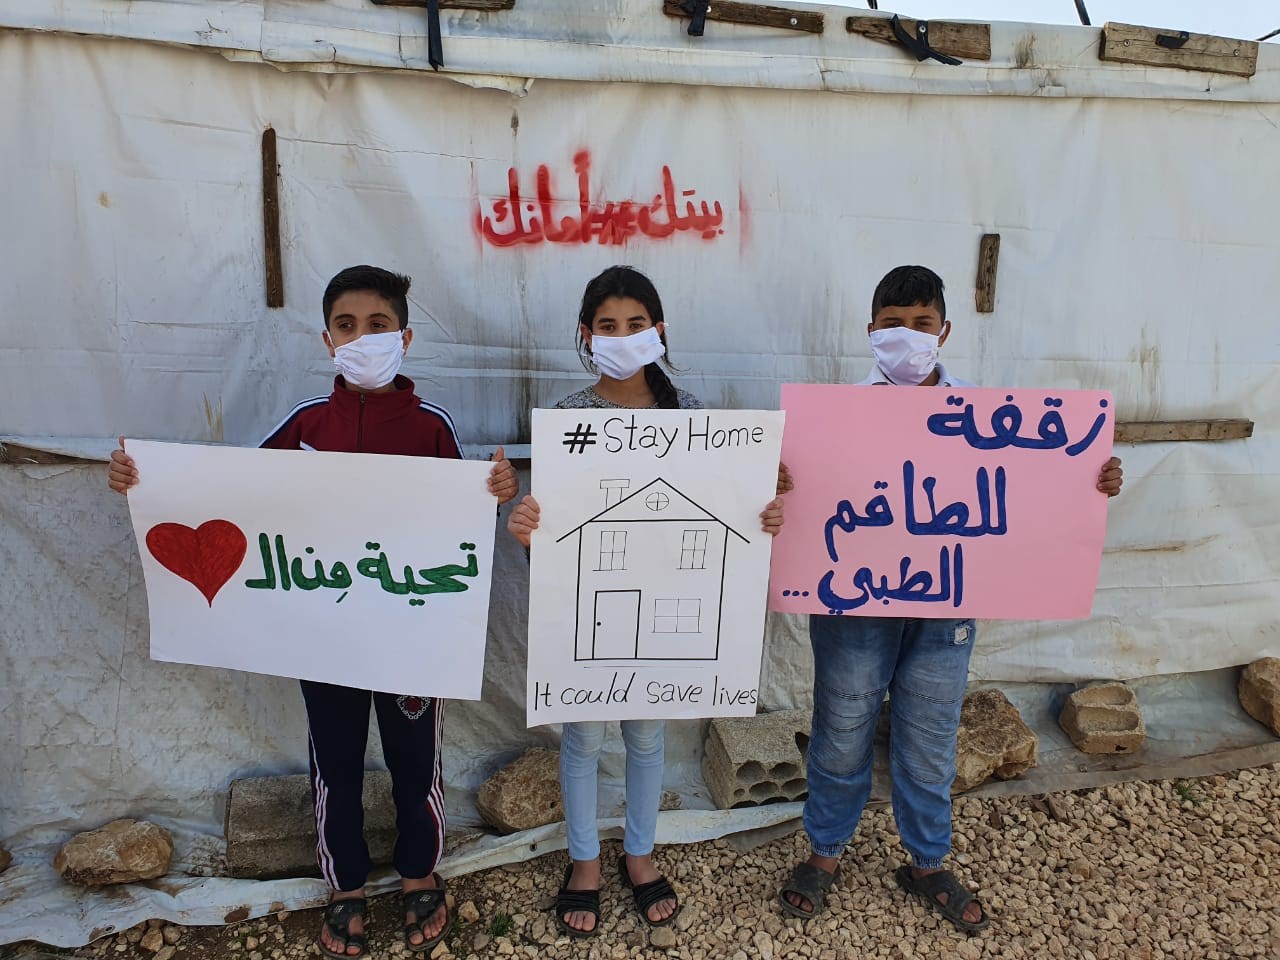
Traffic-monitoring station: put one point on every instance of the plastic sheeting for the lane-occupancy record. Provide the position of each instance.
(631, 41)
(1194, 729)
(1138, 255)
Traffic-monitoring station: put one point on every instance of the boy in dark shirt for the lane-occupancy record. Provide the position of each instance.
(372, 409)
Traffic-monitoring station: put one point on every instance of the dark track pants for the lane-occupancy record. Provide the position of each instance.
(338, 727)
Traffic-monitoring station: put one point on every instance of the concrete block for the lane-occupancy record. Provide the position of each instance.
(271, 829)
(994, 741)
(1104, 718)
(1259, 692)
(749, 761)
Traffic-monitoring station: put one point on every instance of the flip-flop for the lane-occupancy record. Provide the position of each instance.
(958, 898)
(648, 894)
(576, 901)
(809, 882)
(337, 920)
(424, 904)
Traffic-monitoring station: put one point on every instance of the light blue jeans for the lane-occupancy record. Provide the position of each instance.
(924, 666)
(580, 745)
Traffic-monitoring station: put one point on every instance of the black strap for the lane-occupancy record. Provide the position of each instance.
(918, 45)
(338, 916)
(808, 880)
(932, 884)
(697, 11)
(435, 48)
(648, 894)
(423, 903)
(572, 901)
(1172, 41)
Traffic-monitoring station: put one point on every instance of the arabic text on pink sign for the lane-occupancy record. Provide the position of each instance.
(942, 502)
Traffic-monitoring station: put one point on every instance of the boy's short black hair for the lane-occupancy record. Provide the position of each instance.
(909, 286)
(392, 287)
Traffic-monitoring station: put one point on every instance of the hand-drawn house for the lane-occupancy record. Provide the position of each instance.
(651, 578)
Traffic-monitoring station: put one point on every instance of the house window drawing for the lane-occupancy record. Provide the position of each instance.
(657, 501)
(651, 576)
(613, 550)
(677, 616)
(693, 550)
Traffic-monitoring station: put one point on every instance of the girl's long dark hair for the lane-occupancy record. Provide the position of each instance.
(623, 281)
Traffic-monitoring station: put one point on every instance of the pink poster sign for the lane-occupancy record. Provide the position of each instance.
(942, 502)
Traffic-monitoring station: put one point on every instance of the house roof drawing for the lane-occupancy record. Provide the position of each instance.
(656, 500)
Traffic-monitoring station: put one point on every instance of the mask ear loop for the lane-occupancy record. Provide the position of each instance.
(585, 356)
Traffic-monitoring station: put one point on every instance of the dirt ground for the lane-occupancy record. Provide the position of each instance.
(1141, 871)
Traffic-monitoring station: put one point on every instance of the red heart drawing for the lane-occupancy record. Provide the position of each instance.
(206, 557)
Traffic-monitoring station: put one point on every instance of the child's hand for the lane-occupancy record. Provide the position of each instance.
(121, 472)
(771, 518)
(524, 519)
(503, 482)
(1111, 477)
(785, 483)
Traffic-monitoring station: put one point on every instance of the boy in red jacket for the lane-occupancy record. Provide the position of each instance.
(372, 409)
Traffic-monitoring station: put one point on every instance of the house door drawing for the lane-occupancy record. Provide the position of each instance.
(651, 577)
(617, 625)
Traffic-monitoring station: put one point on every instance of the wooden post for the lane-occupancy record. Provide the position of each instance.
(1166, 431)
(985, 286)
(968, 41)
(1125, 43)
(753, 14)
(271, 220)
(452, 4)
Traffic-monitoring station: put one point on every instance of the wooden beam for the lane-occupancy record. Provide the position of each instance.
(452, 4)
(1164, 431)
(274, 269)
(968, 41)
(753, 14)
(1125, 43)
(985, 286)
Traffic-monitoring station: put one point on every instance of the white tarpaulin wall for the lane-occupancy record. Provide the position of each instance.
(1139, 255)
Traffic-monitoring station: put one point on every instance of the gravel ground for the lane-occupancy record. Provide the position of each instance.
(1169, 869)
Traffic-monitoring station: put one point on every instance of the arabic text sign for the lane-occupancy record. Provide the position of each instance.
(647, 586)
(942, 502)
(361, 570)
(541, 218)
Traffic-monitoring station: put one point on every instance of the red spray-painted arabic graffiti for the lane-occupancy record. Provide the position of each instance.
(606, 222)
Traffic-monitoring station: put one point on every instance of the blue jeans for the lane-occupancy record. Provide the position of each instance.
(580, 745)
(924, 666)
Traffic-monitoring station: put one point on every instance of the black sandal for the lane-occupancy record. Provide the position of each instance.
(809, 882)
(576, 901)
(337, 920)
(958, 898)
(424, 904)
(648, 894)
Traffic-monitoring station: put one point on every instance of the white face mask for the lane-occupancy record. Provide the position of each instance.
(904, 355)
(371, 361)
(622, 357)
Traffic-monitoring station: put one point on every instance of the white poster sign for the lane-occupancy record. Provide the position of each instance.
(357, 569)
(649, 569)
